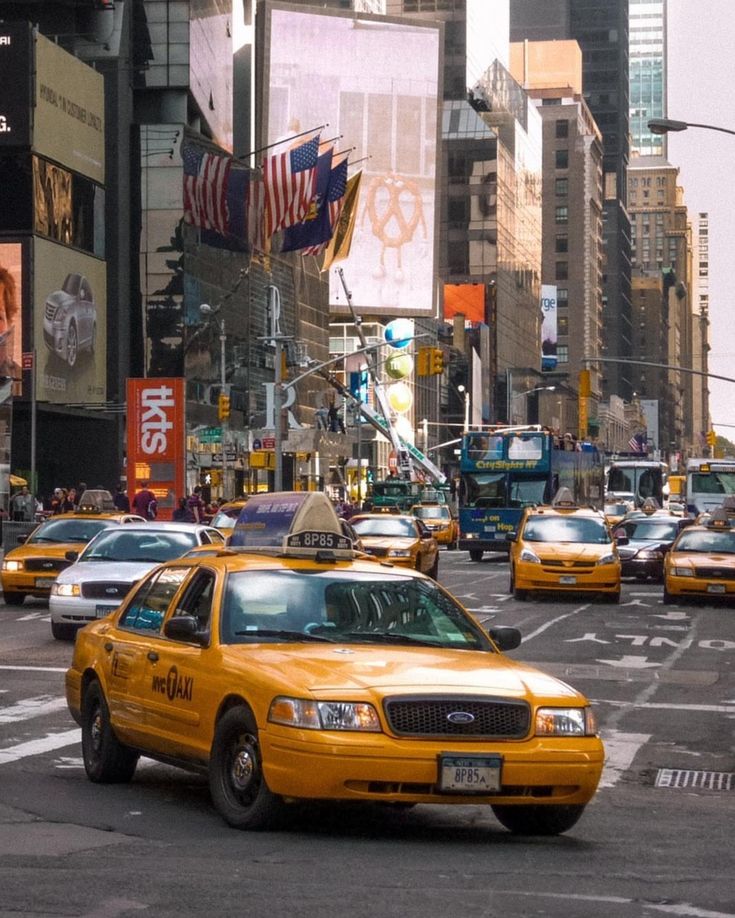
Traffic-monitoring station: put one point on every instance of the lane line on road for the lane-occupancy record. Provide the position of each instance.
(554, 621)
(31, 707)
(34, 669)
(683, 909)
(669, 706)
(620, 750)
(39, 746)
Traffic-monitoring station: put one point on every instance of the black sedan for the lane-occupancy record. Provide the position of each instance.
(649, 538)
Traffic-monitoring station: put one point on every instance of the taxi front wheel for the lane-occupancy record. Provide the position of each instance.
(538, 820)
(236, 780)
(106, 759)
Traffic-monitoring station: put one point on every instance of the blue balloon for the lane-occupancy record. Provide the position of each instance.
(399, 333)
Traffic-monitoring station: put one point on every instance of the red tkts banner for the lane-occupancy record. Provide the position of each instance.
(157, 440)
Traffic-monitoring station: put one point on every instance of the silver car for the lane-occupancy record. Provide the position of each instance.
(103, 573)
(70, 319)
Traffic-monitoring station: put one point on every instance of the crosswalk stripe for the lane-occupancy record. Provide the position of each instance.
(39, 746)
(31, 707)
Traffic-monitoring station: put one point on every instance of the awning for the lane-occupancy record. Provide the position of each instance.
(16, 481)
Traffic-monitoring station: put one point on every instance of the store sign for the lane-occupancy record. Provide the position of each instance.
(156, 439)
(15, 84)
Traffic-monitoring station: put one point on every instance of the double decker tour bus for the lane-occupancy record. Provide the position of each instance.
(503, 471)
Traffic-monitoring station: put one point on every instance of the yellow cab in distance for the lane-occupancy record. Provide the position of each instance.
(439, 521)
(701, 562)
(615, 512)
(399, 538)
(226, 516)
(564, 548)
(286, 670)
(30, 569)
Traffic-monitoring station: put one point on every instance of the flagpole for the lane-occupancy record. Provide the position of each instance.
(285, 140)
(361, 160)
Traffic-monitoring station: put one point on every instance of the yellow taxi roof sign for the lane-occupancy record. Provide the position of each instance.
(295, 523)
(650, 505)
(563, 498)
(719, 519)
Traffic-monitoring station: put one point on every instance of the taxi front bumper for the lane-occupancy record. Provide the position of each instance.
(700, 586)
(380, 768)
(604, 578)
(30, 583)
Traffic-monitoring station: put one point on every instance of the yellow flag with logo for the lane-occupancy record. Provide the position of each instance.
(339, 245)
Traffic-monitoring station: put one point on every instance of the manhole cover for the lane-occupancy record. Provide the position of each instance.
(686, 779)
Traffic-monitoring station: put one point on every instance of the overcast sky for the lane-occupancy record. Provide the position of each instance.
(701, 70)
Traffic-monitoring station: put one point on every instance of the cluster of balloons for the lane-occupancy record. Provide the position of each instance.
(399, 364)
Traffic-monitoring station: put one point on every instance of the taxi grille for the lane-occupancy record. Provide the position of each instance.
(478, 718)
(105, 590)
(44, 565)
(570, 565)
(714, 573)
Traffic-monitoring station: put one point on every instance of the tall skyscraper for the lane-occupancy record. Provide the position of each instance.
(647, 74)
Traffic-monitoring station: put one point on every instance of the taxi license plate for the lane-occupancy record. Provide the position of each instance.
(568, 581)
(469, 774)
(715, 587)
(44, 583)
(101, 611)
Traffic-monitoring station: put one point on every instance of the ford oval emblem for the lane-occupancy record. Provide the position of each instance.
(461, 717)
(112, 591)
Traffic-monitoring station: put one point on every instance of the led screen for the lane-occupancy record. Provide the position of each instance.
(363, 86)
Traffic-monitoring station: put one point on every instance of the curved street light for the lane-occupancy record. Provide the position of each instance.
(667, 125)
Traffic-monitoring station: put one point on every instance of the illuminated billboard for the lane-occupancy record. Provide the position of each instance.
(548, 327)
(210, 65)
(466, 300)
(68, 124)
(11, 324)
(70, 324)
(15, 84)
(363, 87)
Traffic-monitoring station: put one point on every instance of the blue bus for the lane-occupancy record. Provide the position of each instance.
(501, 472)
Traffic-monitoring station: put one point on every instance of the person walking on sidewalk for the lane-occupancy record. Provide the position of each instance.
(143, 500)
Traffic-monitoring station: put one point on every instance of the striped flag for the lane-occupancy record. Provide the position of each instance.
(206, 177)
(288, 182)
(637, 443)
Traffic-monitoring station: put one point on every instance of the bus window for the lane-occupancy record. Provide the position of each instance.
(484, 446)
(528, 492)
(526, 446)
(484, 490)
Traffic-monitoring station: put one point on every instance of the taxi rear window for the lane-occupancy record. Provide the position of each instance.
(565, 529)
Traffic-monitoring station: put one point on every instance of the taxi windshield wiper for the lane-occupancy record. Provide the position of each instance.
(390, 637)
(286, 635)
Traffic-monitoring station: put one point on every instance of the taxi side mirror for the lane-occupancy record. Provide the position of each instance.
(622, 540)
(71, 555)
(505, 637)
(183, 627)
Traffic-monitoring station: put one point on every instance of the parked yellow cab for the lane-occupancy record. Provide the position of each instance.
(285, 670)
(401, 539)
(565, 548)
(30, 569)
(701, 562)
(439, 521)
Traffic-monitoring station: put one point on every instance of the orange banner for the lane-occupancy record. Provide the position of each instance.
(157, 440)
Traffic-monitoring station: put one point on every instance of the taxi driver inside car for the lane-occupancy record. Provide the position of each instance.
(289, 673)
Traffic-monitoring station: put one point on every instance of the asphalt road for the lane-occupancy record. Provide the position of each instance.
(657, 839)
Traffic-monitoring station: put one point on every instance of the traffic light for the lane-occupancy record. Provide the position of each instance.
(422, 362)
(436, 361)
(223, 407)
(711, 438)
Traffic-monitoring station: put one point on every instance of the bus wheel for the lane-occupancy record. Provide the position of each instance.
(475, 554)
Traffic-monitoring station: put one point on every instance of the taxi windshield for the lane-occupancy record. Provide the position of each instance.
(344, 607)
(721, 542)
(124, 544)
(432, 513)
(656, 529)
(565, 529)
(384, 526)
(68, 530)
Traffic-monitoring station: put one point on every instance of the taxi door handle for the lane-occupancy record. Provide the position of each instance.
(152, 656)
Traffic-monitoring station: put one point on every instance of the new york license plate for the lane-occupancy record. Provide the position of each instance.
(44, 583)
(568, 581)
(716, 588)
(100, 611)
(469, 774)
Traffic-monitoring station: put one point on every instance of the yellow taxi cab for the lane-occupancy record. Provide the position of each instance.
(30, 569)
(226, 516)
(399, 538)
(565, 548)
(615, 512)
(285, 670)
(439, 521)
(701, 562)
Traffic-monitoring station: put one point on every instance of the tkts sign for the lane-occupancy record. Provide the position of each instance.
(156, 440)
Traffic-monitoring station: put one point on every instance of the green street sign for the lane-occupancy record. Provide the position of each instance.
(210, 435)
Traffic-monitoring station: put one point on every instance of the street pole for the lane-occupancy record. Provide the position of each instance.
(466, 411)
(277, 432)
(34, 485)
(358, 419)
(223, 390)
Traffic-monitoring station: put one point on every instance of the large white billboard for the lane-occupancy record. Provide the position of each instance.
(375, 82)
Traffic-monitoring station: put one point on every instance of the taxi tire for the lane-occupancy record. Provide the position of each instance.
(538, 820)
(434, 572)
(63, 632)
(235, 747)
(13, 598)
(106, 759)
(668, 598)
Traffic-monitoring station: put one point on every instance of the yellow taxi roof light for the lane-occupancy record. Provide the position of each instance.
(563, 498)
(719, 519)
(650, 505)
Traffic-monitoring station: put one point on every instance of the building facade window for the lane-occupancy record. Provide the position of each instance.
(561, 215)
(561, 159)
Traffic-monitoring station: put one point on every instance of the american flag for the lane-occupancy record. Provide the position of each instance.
(335, 202)
(637, 443)
(205, 189)
(288, 181)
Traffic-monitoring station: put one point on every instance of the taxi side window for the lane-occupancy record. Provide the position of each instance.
(197, 599)
(148, 608)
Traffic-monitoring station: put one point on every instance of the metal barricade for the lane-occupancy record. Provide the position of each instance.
(11, 530)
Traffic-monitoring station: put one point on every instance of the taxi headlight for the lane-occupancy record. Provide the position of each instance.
(609, 558)
(65, 589)
(651, 554)
(682, 572)
(12, 565)
(566, 722)
(528, 555)
(399, 553)
(324, 715)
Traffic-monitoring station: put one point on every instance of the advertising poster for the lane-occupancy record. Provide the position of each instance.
(157, 440)
(15, 84)
(11, 324)
(70, 324)
(466, 300)
(386, 111)
(548, 327)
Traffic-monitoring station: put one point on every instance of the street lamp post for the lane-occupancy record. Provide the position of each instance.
(211, 311)
(463, 391)
(527, 392)
(669, 125)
